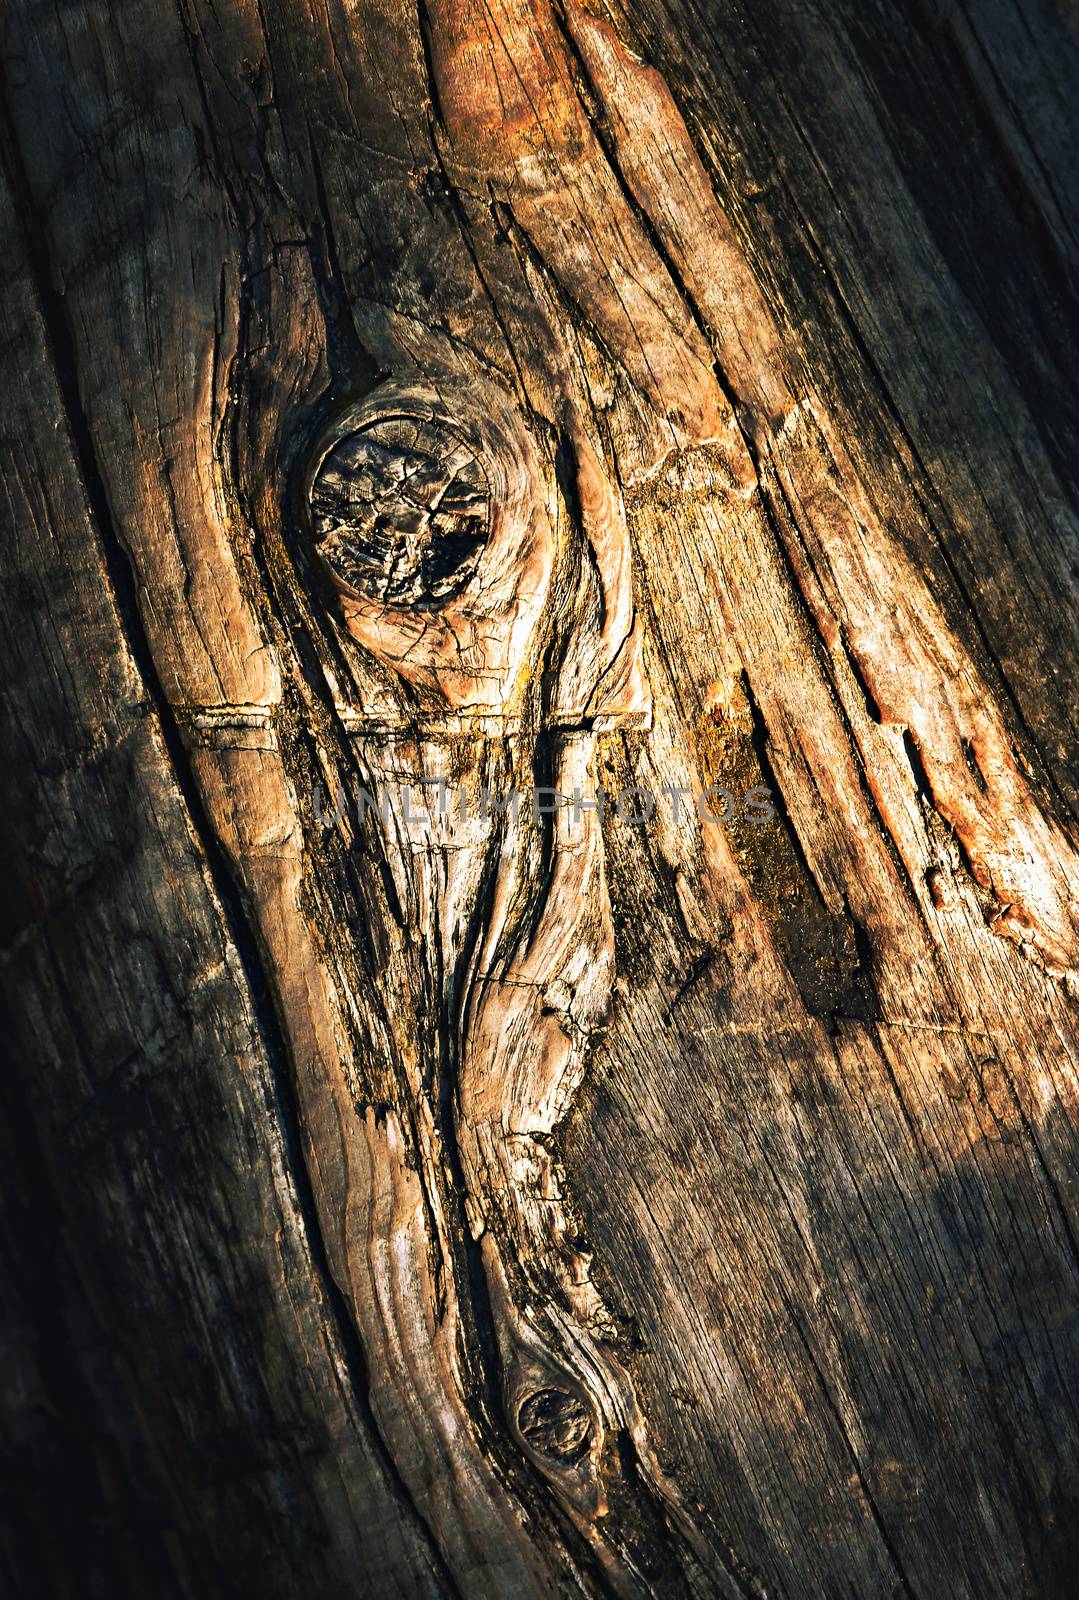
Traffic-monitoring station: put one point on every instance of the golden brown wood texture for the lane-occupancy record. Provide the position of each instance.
(422, 1191)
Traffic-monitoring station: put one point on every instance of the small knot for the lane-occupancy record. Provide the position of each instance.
(400, 510)
(556, 1424)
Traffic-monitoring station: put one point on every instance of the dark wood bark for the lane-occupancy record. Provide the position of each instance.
(565, 394)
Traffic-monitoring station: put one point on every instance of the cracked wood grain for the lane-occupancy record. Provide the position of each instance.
(545, 395)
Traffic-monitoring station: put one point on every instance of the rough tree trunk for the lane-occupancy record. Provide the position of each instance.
(558, 394)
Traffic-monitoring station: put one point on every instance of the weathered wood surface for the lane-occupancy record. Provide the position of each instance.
(557, 394)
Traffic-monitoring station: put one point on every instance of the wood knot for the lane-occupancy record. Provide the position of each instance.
(401, 510)
(557, 1424)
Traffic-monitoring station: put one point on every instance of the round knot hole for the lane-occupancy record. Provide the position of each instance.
(401, 510)
(556, 1423)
